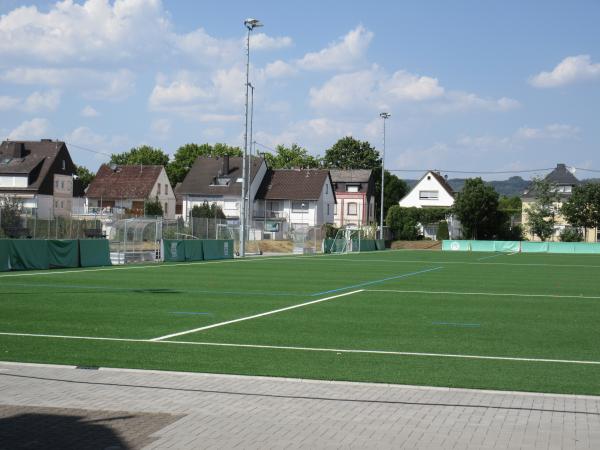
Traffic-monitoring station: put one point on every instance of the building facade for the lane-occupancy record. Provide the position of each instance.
(355, 194)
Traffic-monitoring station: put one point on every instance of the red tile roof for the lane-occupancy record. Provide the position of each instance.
(132, 182)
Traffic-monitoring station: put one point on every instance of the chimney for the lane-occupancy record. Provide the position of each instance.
(15, 149)
(225, 168)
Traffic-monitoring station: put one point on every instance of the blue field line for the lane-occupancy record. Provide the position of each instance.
(383, 280)
(455, 324)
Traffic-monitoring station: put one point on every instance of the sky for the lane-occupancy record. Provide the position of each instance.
(470, 85)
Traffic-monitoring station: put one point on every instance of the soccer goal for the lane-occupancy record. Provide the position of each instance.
(348, 239)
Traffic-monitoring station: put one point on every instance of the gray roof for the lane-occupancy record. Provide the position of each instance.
(293, 184)
(201, 179)
(349, 176)
(560, 176)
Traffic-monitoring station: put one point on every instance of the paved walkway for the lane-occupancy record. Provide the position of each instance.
(64, 407)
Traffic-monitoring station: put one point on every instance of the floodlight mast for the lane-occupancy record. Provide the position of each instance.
(250, 24)
(384, 116)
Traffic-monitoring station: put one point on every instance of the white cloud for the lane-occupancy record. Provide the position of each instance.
(261, 41)
(38, 101)
(86, 137)
(374, 89)
(35, 102)
(89, 111)
(552, 131)
(92, 31)
(279, 69)
(341, 55)
(30, 130)
(94, 84)
(406, 86)
(7, 103)
(176, 93)
(570, 70)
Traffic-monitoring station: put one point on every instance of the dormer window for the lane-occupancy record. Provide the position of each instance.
(352, 188)
(221, 181)
(64, 165)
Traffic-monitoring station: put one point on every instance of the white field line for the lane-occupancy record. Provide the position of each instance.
(155, 266)
(491, 294)
(313, 349)
(482, 263)
(255, 316)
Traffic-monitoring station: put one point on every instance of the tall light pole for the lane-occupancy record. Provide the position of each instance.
(249, 207)
(384, 116)
(250, 24)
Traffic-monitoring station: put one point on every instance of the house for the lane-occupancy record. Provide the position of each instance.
(41, 174)
(355, 194)
(294, 199)
(280, 200)
(432, 191)
(219, 180)
(128, 188)
(565, 181)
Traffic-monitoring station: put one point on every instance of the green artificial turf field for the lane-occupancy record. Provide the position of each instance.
(494, 321)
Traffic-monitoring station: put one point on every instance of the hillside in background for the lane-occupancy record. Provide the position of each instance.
(514, 186)
(511, 187)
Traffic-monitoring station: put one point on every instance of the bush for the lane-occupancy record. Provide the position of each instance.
(329, 230)
(153, 208)
(403, 223)
(571, 235)
(212, 211)
(442, 231)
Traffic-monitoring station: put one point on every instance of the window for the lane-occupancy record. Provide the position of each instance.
(327, 188)
(352, 188)
(56, 184)
(158, 188)
(328, 209)
(62, 205)
(428, 195)
(166, 189)
(299, 206)
(64, 165)
(352, 209)
(62, 184)
(166, 208)
(335, 209)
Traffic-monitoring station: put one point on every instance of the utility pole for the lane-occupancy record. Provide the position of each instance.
(384, 116)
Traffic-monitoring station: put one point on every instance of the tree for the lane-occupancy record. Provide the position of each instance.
(582, 210)
(10, 213)
(442, 231)
(541, 214)
(212, 211)
(153, 208)
(294, 157)
(476, 207)
(85, 176)
(403, 222)
(395, 189)
(186, 155)
(144, 155)
(350, 153)
(571, 235)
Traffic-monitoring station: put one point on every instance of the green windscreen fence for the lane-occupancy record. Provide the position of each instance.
(193, 250)
(363, 245)
(94, 253)
(522, 246)
(28, 254)
(173, 250)
(4, 256)
(217, 249)
(63, 253)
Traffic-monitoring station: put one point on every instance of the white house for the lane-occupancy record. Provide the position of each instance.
(294, 199)
(219, 180)
(432, 191)
(128, 188)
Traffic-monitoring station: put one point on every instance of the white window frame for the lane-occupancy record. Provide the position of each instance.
(296, 203)
(355, 205)
(429, 195)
